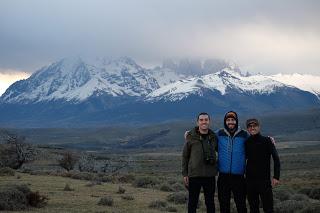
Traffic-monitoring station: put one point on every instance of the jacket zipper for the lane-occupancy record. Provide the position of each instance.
(232, 140)
(231, 155)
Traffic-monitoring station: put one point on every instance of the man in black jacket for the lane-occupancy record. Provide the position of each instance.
(259, 150)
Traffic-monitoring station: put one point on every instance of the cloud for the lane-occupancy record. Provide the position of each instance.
(262, 36)
(7, 77)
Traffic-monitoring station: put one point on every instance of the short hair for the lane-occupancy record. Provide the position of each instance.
(202, 113)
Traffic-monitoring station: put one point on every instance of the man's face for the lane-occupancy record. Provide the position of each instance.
(253, 129)
(203, 122)
(231, 123)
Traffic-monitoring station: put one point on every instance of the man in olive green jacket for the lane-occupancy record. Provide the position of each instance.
(199, 166)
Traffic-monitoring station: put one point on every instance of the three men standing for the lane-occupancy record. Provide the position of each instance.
(236, 148)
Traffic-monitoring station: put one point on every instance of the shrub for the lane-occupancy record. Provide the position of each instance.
(15, 152)
(145, 182)
(166, 188)
(305, 191)
(67, 188)
(126, 178)
(177, 197)
(68, 161)
(171, 209)
(127, 197)
(37, 172)
(13, 199)
(158, 204)
(299, 197)
(275, 201)
(82, 175)
(20, 197)
(289, 206)
(315, 193)
(121, 190)
(172, 181)
(178, 187)
(282, 193)
(90, 184)
(106, 179)
(37, 200)
(23, 188)
(6, 171)
(86, 163)
(93, 183)
(311, 208)
(106, 201)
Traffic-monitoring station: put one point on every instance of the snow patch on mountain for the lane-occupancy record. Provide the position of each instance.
(75, 80)
(165, 76)
(72, 79)
(310, 83)
(223, 81)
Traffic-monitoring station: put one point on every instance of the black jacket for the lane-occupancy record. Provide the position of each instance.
(259, 150)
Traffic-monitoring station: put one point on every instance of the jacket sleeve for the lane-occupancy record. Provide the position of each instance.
(246, 148)
(276, 161)
(216, 144)
(185, 158)
(216, 133)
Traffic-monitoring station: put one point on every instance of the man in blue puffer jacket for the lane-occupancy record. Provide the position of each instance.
(231, 164)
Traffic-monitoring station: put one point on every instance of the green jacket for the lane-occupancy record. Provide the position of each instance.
(194, 151)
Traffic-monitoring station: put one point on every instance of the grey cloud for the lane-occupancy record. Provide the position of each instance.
(34, 33)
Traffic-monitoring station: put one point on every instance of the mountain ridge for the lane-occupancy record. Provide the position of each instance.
(74, 90)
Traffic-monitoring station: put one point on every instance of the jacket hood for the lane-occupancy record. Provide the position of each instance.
(230, 114)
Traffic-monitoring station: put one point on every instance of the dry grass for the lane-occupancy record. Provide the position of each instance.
(85, 199)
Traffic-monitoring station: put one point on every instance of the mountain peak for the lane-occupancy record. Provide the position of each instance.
(310, 83)
(197, 67)
(75, 89)
(76, 79)
(73, 79)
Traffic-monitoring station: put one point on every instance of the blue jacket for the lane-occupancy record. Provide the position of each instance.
(231, 152)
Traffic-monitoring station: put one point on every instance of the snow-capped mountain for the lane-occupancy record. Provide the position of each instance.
(165, 76)
(74, 91)
(73, 79)
(223, 81)
(310, 83)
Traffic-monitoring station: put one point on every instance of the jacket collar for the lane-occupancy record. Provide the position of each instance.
(228, 133)
(196, 132)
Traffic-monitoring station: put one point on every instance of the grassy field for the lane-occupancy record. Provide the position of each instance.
(300, 171)
(85, 198)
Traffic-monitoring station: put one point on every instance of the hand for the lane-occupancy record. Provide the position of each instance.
(185, 135)
(275, 182)
(186, 181)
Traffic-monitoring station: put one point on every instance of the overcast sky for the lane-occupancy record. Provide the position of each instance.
(260, 36)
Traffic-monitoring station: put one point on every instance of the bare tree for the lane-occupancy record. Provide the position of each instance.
(15, 152)
(68, 161)
(86, 163)
(113, 167)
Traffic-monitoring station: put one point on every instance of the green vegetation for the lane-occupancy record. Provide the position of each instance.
(20, 197)
(139, 180)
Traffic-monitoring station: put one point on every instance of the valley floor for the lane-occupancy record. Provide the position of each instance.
(300, 172)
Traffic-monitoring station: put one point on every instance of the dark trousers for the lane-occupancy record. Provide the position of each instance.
(208, 184)
(236, 184)
(262, 189)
